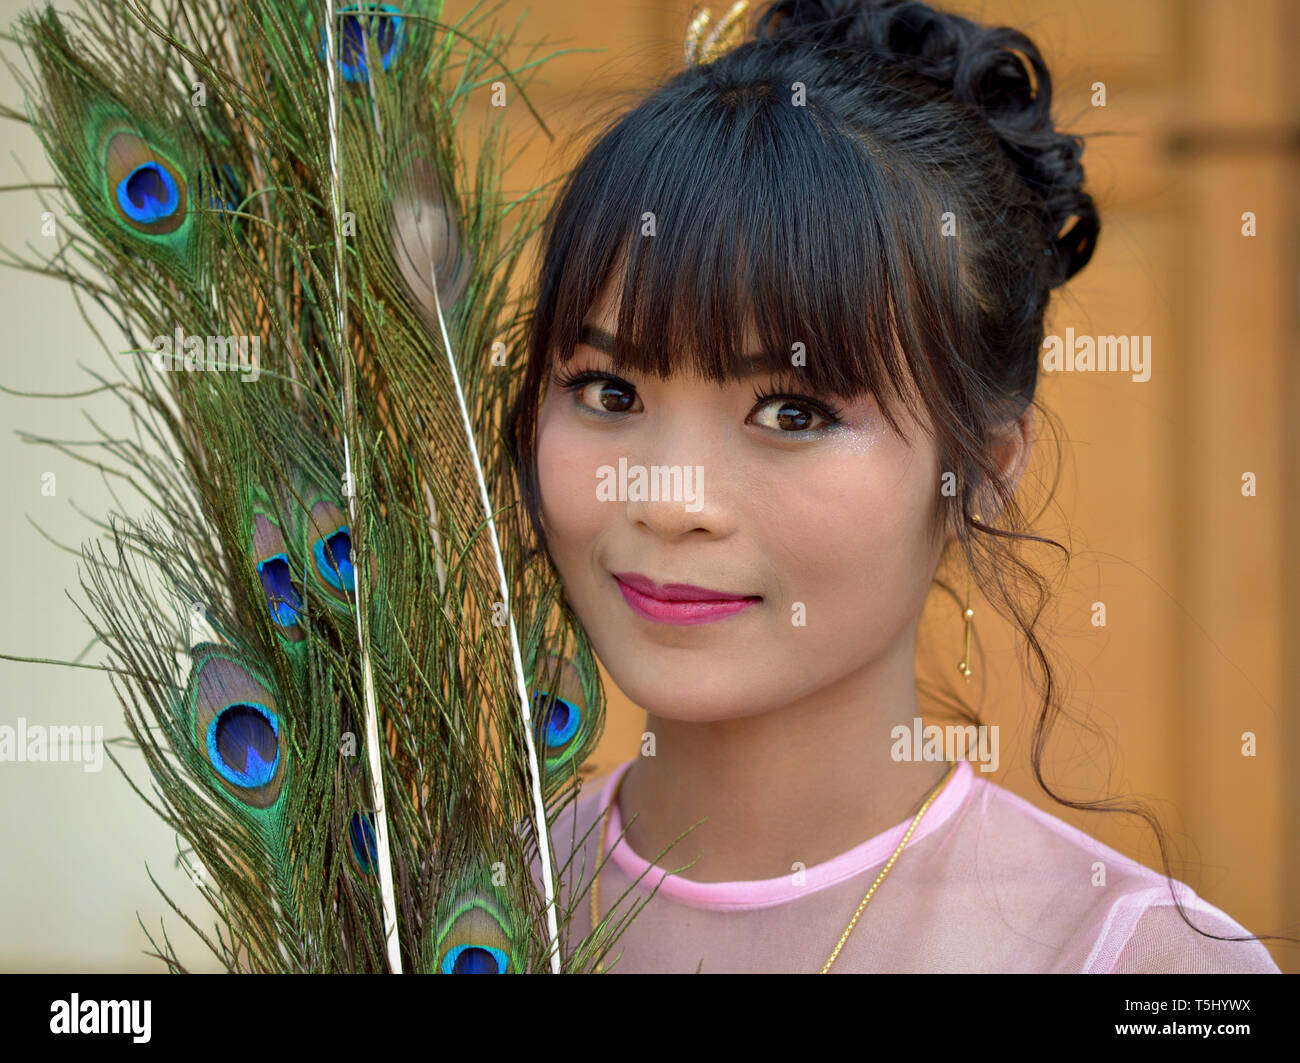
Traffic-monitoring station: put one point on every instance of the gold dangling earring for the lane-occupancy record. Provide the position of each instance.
(968, 615)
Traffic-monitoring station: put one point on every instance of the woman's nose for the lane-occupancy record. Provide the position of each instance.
(674, 495)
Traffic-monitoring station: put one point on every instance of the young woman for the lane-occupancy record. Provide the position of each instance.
(808, 279)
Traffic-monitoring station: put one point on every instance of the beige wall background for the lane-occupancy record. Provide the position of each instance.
(1201, 594)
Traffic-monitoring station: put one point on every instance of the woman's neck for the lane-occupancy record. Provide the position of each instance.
(799, 784)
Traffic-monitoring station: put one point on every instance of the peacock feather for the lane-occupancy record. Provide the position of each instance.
(362, 699)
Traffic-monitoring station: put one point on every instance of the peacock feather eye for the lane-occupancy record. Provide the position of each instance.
(362, 844)
(557, 720)
(243, 742)
(331, 547)
(326, 545)
(237, 726)
(475, 937)
(475, 959)
(147, 190)
(271, 558)
(566, 718)
(362, 26)
(281, 595)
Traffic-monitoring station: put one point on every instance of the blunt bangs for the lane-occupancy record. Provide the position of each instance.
(750, 221)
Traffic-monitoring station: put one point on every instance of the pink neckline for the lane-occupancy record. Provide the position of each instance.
(768, 892)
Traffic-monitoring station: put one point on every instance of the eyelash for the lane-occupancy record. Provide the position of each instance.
(833, 414)
(572, 381)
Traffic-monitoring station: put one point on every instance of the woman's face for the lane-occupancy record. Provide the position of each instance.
(829, 528)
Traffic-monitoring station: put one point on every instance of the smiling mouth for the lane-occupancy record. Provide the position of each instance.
(683, 611)
(676, 592)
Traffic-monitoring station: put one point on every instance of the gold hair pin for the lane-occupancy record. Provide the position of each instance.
(722, 38)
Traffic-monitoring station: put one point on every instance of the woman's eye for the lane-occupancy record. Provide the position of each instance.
(788, 414)
(603, 394)
(791, 416)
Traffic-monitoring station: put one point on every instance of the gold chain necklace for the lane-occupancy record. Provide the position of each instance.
(604, 827)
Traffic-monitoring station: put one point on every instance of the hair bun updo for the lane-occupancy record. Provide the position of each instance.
(997, 71)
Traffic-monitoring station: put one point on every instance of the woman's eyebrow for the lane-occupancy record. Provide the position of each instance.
(752, 365)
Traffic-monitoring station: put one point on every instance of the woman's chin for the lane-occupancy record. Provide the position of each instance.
(686, 701)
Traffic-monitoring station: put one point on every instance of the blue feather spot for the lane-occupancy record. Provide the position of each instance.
(334, 560)
(148, 193)
(560, 721)
(475, 959)
(364, 847)
(378, 23)
(281, 595)
(244, 744)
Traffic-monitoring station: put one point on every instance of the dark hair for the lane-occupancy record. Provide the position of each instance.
(800, 183)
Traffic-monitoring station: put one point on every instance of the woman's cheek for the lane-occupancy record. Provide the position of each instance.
(843, 542)
(566, 475)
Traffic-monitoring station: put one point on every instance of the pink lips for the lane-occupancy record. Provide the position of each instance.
(679, 603)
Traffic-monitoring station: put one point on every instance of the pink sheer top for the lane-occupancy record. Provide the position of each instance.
(987, 883)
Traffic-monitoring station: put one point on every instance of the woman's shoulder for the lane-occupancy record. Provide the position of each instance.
(1160, 942)
(1123, 912)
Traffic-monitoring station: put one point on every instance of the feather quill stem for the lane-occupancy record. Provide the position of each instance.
(539, 806)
